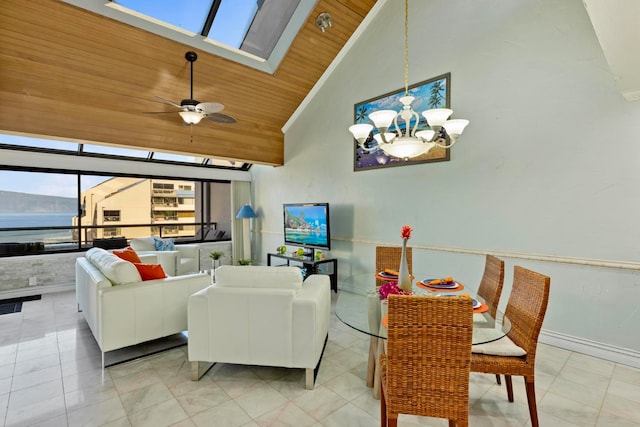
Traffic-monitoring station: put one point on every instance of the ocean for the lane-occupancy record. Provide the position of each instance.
(10, 220)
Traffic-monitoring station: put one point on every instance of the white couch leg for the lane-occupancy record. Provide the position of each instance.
(309, 378)
(198, 369)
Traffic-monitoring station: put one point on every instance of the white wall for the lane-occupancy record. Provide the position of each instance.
(547, 168)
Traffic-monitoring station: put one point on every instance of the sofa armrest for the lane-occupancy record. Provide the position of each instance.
(137, 312)
(189, 250)
(198, 325)
(311, 314)
(148, 258)
(189, 258)
(167, 259)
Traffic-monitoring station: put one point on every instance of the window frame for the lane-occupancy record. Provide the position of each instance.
(80, 228)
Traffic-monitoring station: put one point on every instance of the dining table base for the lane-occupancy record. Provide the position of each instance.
(376, 348)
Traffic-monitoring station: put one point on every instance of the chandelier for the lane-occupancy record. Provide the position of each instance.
(411, 142)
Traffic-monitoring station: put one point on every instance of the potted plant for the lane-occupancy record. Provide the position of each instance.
(244, 262)
(215, 256)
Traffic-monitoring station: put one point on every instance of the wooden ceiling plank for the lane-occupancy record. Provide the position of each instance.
(91, 78)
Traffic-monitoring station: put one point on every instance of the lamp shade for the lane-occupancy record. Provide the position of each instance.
(437, 116)
(246, 212)
(191, 117)
(361, 131)
(455, 126)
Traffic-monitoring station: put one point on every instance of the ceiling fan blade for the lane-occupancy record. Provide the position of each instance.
(220, 118)
(160, 112)
(209, 107)
(166, 101)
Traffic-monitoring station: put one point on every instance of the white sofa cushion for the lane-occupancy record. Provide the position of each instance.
(255, 276)
(117, 270)
(143, 244)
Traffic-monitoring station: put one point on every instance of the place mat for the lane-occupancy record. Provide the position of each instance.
(482, 309)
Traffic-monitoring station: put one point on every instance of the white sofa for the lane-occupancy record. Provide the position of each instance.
(184, 259)
(123, 310)
(258, 315)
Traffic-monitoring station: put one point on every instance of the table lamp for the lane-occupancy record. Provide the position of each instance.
(245, 213)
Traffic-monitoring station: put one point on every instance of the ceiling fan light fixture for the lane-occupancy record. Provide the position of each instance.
(191, 117)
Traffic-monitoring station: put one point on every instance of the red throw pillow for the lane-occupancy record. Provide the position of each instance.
(128, 254)
(150, 271)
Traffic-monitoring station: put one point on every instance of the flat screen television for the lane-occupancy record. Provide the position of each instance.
(307, 225)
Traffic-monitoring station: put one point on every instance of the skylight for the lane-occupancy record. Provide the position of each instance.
(189, 15)
(256, 33)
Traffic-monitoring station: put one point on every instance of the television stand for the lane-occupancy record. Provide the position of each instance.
(311, 264)
(309, 253)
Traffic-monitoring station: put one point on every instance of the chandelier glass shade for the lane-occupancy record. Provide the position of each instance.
(191, 117)
(391, 138)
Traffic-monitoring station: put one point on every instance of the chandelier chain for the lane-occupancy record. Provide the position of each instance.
(389, 136)
(406, 47)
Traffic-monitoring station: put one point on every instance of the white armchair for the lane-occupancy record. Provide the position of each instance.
(184, 259)
(258, 315)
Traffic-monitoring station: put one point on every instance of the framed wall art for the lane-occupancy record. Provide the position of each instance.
(432, 93)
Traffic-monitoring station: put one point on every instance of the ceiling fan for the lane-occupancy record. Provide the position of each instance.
(193, 111)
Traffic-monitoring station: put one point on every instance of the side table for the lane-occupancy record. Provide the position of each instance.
(311, 265)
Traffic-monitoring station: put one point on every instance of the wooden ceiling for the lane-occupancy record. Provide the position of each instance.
(69, 73)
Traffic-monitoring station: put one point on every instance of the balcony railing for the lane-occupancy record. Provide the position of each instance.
(55, 239)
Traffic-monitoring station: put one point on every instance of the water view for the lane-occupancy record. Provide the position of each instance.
(11, 220)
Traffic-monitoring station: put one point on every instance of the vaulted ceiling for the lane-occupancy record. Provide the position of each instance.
(69, 73)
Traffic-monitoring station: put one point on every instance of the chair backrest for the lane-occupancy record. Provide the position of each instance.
(491, 284)
(258, 277)
(389, 257)
(526, 308)
(429, 355)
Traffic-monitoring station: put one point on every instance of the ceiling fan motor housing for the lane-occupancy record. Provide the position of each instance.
(189, 103)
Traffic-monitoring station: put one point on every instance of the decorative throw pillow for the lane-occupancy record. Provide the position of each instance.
(150, 271)
(128, 254)
(164, 244)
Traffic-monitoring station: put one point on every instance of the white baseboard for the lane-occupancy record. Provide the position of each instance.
(608, 352)
(36, 290)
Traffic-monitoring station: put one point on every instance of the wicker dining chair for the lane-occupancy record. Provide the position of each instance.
(490, 287)
(389, 257)
(491, 283)
(526, 310)
(425, 371)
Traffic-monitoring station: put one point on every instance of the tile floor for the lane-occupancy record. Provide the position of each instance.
(50, 376)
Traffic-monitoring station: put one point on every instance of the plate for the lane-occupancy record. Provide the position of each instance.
(452, 285)
(387, 275)
(476, 303)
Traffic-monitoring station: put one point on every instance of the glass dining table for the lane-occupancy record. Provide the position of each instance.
(359, 307)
